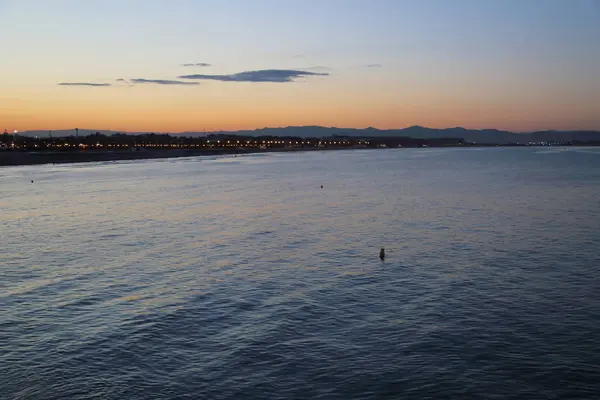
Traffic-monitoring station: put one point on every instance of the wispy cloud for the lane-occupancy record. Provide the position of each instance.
(319, 68)
(196, 65)
(124, 81)
(374, 65)
(83, 84)
(267, 75)
(162, 82)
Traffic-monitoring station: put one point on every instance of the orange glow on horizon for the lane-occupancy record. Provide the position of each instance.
(249, 107)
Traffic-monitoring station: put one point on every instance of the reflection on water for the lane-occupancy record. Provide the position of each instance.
(241, 278)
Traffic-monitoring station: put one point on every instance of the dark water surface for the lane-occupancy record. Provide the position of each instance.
(240, 278)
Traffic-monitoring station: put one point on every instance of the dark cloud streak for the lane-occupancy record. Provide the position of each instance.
(84, 84)
(162, 82)
(319, 68)
(125, 81)
(267, 75)
(196, 65)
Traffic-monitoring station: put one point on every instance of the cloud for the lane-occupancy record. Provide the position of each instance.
(196, 65)
(162, 82)
(125, 81)
(319, 68)
(374, 65)
(266, 75)
(83, 84)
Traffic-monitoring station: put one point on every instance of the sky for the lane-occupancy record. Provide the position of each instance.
(194, 65)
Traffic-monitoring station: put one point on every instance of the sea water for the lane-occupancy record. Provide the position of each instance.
(241, 278)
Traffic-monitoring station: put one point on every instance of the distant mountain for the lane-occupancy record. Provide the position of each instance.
(71, 132)
(484, 136)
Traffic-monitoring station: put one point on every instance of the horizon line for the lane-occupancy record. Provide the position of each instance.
(207, 132)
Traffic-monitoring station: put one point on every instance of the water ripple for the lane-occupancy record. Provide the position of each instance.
(221, 279)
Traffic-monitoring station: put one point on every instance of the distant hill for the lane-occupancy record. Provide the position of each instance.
(484, 136)
(71, 132)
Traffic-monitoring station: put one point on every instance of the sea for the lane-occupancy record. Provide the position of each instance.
(240, 277)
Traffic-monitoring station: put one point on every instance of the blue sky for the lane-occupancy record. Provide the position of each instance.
(528, 58)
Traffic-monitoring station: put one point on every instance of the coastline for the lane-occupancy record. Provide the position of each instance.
(21, 158)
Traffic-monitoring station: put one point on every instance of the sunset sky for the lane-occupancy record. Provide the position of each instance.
(519, 65)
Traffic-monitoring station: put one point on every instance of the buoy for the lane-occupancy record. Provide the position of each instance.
(321, 186)
(382, 254)
(31, 181)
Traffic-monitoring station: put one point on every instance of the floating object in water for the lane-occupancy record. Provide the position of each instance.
(382, 254)
(32, 181)
(321, 186)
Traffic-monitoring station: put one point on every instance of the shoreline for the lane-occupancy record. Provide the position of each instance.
(23, 158)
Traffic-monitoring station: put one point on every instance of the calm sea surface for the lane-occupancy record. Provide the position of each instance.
(240, 278)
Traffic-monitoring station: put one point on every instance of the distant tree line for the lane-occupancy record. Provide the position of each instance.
(100, 141)
(121, 141)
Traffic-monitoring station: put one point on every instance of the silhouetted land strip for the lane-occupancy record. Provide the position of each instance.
(77, 156)
(479, 136)
(21, 150)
